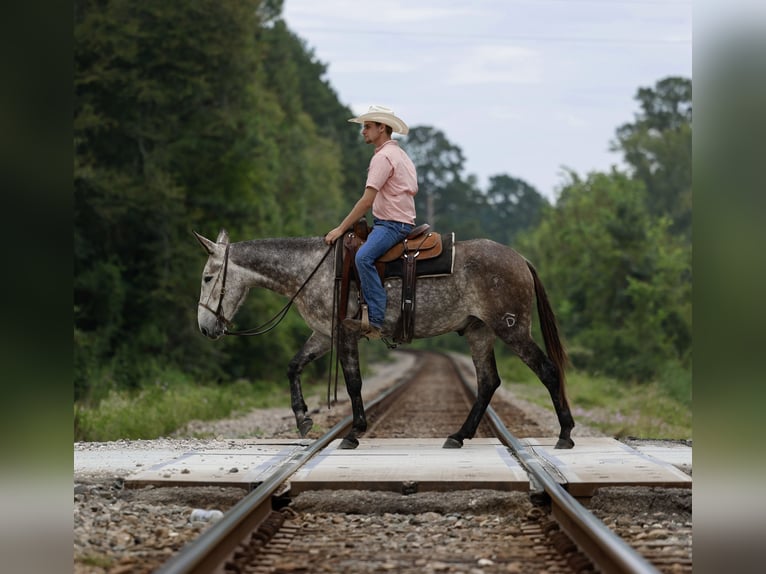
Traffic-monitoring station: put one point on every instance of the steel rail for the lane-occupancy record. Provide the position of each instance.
(208, 552)
(610, 553)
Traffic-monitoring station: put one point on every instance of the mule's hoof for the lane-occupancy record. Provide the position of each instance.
(452, 443)
(565, 443)
(305, 426)
(349, 443)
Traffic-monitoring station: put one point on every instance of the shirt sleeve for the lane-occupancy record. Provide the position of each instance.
(379, 172)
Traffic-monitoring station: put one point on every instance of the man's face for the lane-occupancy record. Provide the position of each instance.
(372, 131)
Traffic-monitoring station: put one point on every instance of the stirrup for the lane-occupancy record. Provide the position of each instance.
(365, 319)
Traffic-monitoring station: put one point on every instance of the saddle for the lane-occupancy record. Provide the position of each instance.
(421, 244)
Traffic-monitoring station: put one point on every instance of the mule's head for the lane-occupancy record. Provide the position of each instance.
(222, 290)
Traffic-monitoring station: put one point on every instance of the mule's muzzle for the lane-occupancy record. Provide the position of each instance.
(212, 333)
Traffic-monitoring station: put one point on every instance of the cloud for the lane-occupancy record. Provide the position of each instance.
(505, 114)
(497, 65)
(572, 120)
(373, 13)
(368, 67)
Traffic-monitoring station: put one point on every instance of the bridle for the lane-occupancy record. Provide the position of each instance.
(218, 311)
(268, 325)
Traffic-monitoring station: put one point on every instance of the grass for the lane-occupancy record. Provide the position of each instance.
(161, 409)
(172, 399)
(657, 409)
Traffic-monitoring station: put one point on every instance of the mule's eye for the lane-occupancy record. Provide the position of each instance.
(208, 278)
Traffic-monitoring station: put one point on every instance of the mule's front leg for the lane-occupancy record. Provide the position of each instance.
(314, 347)
(348, 353)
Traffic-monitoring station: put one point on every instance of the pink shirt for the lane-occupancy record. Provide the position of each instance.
(392, 174)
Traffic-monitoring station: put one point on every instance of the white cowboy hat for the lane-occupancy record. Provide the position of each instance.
(383, 115)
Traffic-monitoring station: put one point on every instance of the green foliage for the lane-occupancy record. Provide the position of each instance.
(451, 201)
(657, 146)
(161, 408)
(616, 408)
(623, 409)
(621, 282)
(439, 165)
(197, 116)
(512, 207)
(191, 116)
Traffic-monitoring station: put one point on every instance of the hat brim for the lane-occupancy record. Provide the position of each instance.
(397, 125)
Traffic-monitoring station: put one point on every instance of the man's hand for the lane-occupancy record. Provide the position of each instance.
(333, 236)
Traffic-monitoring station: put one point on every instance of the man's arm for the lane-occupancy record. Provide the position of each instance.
(362, 206)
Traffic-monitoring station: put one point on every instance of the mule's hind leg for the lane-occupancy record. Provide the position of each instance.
(481, 340)
(315, 346)
(549, 374)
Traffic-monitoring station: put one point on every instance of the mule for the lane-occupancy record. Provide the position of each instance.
(490, 293)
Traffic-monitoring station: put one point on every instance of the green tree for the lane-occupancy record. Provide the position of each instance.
(620, 280)
(315, 136)
(439, 165)
(161, 142)
(657, 147)
(182, 122)
(512, 206)
(460, 207)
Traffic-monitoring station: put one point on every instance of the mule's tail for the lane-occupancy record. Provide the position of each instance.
(553, 345)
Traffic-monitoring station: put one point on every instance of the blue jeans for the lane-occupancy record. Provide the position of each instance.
(384, 235)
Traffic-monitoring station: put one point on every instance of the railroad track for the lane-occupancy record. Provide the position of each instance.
(267, 532)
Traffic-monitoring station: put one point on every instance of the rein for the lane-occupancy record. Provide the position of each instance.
(271, 323)
(277, 319)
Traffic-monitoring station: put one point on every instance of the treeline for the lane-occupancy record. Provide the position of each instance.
(191, 116)
(196, 116)
(614, 251)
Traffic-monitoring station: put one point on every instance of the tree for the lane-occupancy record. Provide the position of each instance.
(512, 206)
(293, 72)
(657, 147)
(619, 279)
(439, 164)
(181, 123)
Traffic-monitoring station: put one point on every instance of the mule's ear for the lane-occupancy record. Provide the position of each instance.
(207, 245)
(223, 237)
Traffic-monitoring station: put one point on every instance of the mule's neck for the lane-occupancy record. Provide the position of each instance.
(280, 265)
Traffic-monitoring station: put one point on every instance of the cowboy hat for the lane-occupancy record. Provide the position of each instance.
(383, 115)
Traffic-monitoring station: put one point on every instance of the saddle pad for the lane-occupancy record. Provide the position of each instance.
(441, 265)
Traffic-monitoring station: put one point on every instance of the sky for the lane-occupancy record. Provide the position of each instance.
(526, 88)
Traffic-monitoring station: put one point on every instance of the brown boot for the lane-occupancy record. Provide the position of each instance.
(355, 326)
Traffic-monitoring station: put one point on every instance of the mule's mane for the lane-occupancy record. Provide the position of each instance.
(244, 252)
(276, 241)
(281, 264)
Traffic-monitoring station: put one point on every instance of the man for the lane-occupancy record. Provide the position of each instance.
(390, 192)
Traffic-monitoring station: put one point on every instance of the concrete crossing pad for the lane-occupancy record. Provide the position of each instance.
(421, 464)
(246, 465)
(412, 465)
(596, 462)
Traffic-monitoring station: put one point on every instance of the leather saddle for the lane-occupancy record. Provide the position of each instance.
(421, 244)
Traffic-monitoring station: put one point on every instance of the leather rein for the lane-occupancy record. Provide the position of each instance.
(268, 325)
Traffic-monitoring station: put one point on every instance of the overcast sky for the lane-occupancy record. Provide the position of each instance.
(523, 87)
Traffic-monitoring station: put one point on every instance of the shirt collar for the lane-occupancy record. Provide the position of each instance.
(391, 141)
